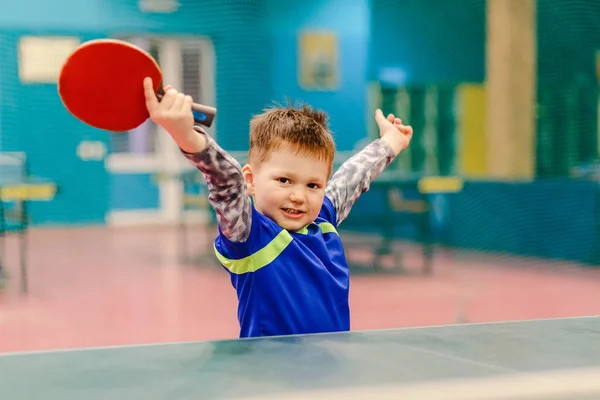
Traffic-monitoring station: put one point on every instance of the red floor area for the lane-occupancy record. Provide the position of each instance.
(98, 287)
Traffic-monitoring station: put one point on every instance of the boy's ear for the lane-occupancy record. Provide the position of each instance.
(249, 176)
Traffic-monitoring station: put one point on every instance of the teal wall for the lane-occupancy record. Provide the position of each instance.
(431, 41)
(350, 20)
(568, 38)
(133, 191)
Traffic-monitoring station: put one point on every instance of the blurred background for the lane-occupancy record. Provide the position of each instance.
(492, 214)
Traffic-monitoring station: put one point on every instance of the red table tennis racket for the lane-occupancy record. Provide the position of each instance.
(101, 84)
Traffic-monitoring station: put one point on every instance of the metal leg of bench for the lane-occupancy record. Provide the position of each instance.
(3, 274)
(23, 246)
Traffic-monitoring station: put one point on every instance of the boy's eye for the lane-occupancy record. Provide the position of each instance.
(283, 180)
(313, 186)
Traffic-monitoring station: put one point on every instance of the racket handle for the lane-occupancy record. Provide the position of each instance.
(203, 115)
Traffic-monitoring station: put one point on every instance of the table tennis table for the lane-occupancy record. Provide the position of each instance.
(539, 359)
(400, 193)
(17, 188)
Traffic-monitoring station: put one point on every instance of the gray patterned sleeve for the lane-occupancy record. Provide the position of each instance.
(227, 190)
(354, 177)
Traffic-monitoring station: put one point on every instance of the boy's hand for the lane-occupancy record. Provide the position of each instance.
(174, 114)
(391, 130)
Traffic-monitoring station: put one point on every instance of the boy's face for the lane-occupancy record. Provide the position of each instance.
(288, 187)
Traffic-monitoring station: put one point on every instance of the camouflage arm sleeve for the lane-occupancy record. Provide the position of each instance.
(227, 191)
(354, 177)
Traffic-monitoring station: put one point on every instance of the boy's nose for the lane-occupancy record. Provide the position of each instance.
(297, 196)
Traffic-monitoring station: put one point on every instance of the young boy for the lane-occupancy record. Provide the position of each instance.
(278, 215)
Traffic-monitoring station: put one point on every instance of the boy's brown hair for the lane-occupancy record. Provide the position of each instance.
(304, 128)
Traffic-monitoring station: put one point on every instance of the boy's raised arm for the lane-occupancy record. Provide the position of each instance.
(354, 177)
(228, 193)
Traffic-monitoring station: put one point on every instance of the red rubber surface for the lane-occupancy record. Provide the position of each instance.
(101, 84)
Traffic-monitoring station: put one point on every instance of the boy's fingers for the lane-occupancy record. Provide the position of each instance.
(150, 96)
(379, 118)
(187, 103)
(168, 99)
(179, 101)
